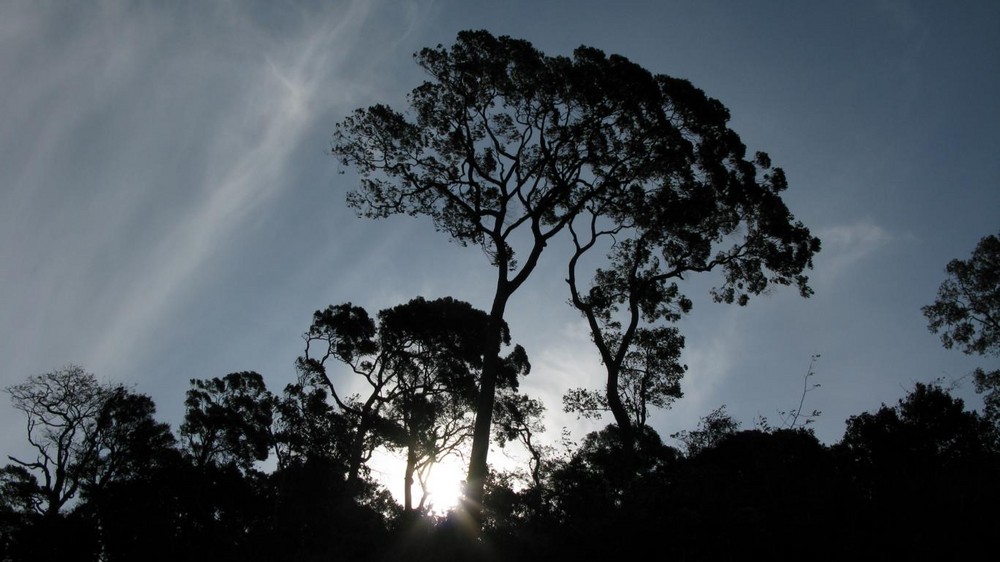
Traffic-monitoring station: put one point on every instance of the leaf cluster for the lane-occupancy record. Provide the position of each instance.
(967, 309)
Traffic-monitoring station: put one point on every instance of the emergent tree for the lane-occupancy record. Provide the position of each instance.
(504, 147)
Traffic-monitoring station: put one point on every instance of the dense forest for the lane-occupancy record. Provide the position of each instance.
(916, 479)
(642, 182)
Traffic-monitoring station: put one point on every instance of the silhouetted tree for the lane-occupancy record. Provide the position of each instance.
(923, 470)
(757, 495)
(597, 498)
(131, 443)
(648, 375)
(124, 496)
(422, 363)
(309, 428)
(967, 308)
(700, 206)
(967, 313)
(711, 430)
(62, 409)
(600, 465)
(435, 350)
(21, 500)
(317, 516)
(346, 333)
(228, 420)
(518, 418)
(19, 491)
(506, 147)
(95, 444)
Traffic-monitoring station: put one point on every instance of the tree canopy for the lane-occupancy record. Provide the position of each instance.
(422, 362)
(967, 313)
(904, 479)
(62, 409)
(967, 309)
(228, 420)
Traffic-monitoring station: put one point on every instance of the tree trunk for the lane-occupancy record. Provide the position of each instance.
(618, 411)
(411, 466)
(472, 501)
(358, 452)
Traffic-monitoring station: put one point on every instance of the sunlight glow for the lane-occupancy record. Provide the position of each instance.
(444, 485)
(443, 481)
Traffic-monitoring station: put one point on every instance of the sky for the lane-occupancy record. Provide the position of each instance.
(169, 208)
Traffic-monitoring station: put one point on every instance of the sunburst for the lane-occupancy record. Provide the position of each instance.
(443, 485)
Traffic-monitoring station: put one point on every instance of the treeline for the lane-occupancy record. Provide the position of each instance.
(110, 482)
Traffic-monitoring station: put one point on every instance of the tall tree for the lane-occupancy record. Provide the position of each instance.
(504, 147)
(346, 333)
(435, 351)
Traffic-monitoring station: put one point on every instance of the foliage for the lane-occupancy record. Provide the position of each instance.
(711, 430)
(308, 428)
(967, 313)
(423, 363)
(988, 384)
(648, 375)
(228, 420)
(131, 443)
(929, 425)
(519, 418)
(62, 409)
(920, 469)
(967, 308)
(19, 491)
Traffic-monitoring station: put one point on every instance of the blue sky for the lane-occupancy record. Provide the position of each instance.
(169, 209)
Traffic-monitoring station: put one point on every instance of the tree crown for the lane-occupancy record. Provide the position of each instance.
(967, 309)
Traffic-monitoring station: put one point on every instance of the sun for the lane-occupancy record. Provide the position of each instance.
(444, 485)
(443, 480)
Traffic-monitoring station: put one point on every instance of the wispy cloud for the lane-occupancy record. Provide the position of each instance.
(845, 246)
(139, 141)
(255, 139)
